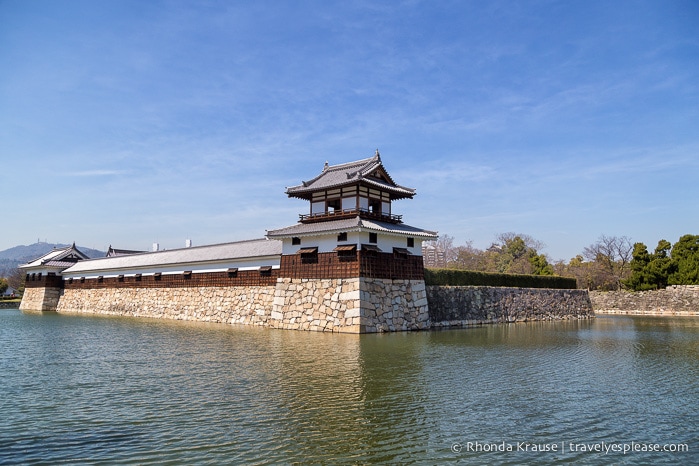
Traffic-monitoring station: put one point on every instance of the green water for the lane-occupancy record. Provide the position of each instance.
(99, 390)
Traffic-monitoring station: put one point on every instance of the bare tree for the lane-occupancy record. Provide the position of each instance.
(445, 245)
(470, 258)
(16, 279)
(530, 242)
(611, 256)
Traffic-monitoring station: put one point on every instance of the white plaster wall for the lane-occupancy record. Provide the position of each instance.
(328, 242)
(244, 264)
(387, 242)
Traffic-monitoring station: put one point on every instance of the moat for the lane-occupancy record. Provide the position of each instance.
(106, 390)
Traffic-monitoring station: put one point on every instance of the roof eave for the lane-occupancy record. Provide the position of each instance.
(400, 192)
(168, 264)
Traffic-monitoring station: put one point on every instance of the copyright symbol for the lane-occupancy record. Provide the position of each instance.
(456, 447)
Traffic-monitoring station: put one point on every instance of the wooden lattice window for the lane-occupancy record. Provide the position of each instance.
(309, 255)
(370, 250)
(347, 253)
(400, 253)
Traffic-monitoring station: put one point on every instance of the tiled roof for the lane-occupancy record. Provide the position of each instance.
(212, 253)
(55, 256)
(121, 252)
(349, 224)
(350, 173)
(59, 263)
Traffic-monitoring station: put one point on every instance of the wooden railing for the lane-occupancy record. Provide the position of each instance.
(349, 213)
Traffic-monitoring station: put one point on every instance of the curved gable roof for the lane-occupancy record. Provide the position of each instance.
(365, 171)
(58, 257)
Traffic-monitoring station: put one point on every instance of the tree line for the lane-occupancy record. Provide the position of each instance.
(611, 263)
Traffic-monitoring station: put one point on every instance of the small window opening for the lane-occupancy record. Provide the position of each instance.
(334, 206)
(369, 250)
(373, 238)
(342, 237)
(295, 241)
(347, 253)
(411, 242)
(309, 255)
(400, 253)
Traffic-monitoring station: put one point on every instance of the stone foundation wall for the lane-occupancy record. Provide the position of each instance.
(327, 304)
(680, 300)
(393, 305)
(40, 298)
(250, 305)
(350, 305)
(460, 306)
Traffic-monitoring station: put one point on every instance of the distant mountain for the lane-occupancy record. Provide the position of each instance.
(11, 258)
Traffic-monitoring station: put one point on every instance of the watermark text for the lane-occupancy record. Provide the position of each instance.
(603, 448)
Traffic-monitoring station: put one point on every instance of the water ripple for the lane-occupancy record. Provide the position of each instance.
(128, 391)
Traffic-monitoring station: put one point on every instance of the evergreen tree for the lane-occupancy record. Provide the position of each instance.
(662, 265)
(638, 281)
(685, 254)
(540, 265)
(651, 271)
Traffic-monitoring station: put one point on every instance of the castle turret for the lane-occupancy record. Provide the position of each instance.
(43, 281)
(351, 232)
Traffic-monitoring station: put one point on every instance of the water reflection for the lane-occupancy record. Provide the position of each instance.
(105, 390)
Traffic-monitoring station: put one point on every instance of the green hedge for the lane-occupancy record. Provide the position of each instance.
(453, 277)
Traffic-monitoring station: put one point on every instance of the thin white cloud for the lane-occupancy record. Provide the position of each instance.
(95, 173)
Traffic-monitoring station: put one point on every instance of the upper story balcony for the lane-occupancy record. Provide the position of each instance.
(349, 213)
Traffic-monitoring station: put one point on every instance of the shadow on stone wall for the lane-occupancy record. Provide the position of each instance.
(458, 306)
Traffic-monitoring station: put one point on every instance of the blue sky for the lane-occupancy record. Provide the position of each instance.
(126, 123)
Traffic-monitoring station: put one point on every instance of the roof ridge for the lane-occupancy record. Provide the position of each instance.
(141, 253)
(340, 166)
(333, 168)
(370, 170)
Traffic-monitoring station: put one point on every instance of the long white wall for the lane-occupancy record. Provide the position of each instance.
(328, 242)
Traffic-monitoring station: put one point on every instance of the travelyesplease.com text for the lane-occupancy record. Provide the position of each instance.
(604, 448)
